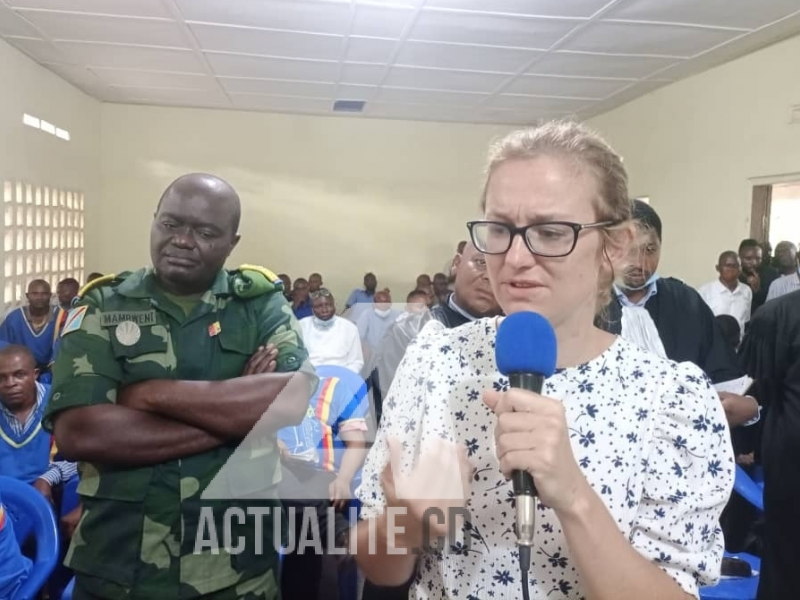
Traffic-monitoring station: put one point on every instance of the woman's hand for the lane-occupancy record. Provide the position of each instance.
(531, 435)
(440, 479)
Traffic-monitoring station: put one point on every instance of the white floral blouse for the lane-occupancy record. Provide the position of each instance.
(649, 434)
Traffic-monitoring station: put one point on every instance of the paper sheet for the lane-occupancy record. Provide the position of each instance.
(735, 386)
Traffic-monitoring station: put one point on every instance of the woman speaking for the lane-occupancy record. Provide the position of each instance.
(630, 453)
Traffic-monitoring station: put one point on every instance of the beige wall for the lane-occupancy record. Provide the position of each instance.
(694, 146)
(336, 195)
(29, 155)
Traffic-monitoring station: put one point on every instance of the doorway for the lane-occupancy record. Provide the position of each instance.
(776, 213)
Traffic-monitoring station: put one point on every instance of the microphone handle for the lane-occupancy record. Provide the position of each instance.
(532, 382)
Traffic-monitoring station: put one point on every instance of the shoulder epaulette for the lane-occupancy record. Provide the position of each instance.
(271, 277)
(250, 281)
(104, 280)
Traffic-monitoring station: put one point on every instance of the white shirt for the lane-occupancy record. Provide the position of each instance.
(784, 285)
(338, 345)
(723, 301)
(649, 434)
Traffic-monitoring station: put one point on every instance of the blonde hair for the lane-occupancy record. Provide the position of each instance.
(586, 150)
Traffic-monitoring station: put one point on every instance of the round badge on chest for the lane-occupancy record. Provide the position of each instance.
(128, 333)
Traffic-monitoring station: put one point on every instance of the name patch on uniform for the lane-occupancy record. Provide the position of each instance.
(74, 320)
(142, 318)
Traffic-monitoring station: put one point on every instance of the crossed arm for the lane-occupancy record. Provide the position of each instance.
(161, 420)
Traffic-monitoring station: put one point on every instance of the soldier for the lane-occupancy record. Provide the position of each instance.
(161, 374)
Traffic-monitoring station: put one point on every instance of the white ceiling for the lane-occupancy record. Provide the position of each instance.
(480, 61)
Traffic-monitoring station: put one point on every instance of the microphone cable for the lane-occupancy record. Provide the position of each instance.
(524, 567)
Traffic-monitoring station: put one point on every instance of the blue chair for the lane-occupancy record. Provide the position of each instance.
(740, 588)
(67, 594)
(31, 515)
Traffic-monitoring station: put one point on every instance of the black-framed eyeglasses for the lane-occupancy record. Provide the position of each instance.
(552, 240)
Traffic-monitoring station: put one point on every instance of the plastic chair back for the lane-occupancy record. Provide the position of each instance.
(31, 515)
(740, 588)
(748, 489)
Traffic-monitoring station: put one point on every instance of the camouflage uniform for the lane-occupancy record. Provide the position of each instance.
(138, 531)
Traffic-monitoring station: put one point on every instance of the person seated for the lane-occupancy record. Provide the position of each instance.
(287, 286)
(330, 339)
(320, 458)
(25, 448)
(314, 282)
(360, 299)
(301, 305)
(66, 291)
(35, 326)
(373, 324)
(14, 567)
(416, 303)
(441, 287)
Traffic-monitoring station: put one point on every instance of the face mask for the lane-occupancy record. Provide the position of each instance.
(646, 284)
(320, 324)
(383, 313)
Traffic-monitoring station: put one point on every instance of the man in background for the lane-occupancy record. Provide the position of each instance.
(66, 290)
(287, 286)
(441, 289)
(301, 304)
(755, 273)
(35, 326)
(330, 339)
(359, 298)
(25, 447)
(314, 282)
(373, 324)
(726, 295)
(787, 260)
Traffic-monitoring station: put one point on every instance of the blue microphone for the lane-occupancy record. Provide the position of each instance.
(525, 351)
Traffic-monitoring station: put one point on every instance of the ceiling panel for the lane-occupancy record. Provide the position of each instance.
(436, 79)
(504, 61)
(40, 50)
(409, 96)
(721, 13)
(494, 30)
(581, 64)
(462, 56)
(13, 24)
(134, 8)
(278, 87)
(639, 38)
(381, 21)
(421, 112)
(539, 85)
(235, 65)
(281, 103)
(376, 50)
(246, 40)
(363, 74)
(177, 96)
(117, 30)
(573, 8)
(347, 91)
(155, 79)
(292, 15)
(132, 57)
(80, 77)
(537, 104)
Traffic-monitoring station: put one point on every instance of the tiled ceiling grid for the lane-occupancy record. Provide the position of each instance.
(479, 61)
